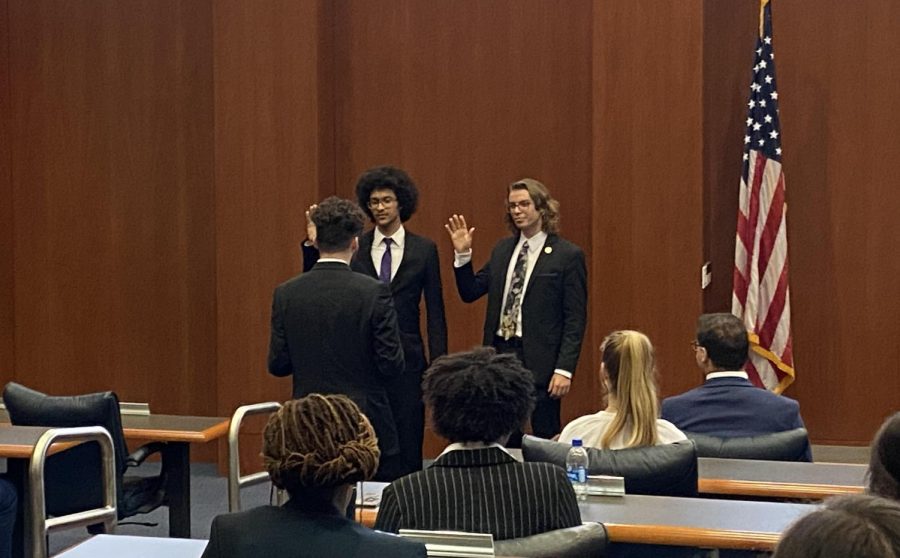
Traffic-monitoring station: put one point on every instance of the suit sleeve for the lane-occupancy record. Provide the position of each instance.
(434, 306)
(212, 547)
(388, 518)
(574, 312)
(279, 356)
(309, 255)
(386, 342)
(470, 285)
(568, 514)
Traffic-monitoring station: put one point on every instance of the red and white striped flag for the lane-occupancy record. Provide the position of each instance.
(761, 296)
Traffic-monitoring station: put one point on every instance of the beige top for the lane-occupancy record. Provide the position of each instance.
(590, 429)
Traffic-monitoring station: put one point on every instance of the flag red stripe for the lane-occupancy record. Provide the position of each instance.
(776, 308)
(773, 223)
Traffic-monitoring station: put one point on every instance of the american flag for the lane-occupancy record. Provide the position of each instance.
(761, 297)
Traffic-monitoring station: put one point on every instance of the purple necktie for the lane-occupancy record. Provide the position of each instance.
(385, 274)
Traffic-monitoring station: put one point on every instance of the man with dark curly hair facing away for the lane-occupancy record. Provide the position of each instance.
(477, 399)
(408, 264)
(316, 448)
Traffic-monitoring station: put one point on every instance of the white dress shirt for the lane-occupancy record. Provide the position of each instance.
(399, 240)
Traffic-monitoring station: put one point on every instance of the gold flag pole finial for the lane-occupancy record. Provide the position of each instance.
(762, 13)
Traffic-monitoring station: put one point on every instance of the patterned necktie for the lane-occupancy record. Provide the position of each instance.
(385, 274)
(509, 318)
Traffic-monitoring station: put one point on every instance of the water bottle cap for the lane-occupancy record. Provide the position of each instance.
(576, 443)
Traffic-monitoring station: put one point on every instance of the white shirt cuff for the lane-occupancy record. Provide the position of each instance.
(564, 373)
(461, 259)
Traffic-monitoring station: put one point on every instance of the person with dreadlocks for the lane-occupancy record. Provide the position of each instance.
(477, 399)
(316, 448)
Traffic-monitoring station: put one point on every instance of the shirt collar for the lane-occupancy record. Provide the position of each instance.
(729, 374)
(399, 237)
(537, 240)
(332, 260)
(473, 446)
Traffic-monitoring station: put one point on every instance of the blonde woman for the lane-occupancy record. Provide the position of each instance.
(631, 418)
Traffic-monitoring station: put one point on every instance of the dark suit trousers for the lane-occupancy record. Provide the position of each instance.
(405, 394)
(545, 418)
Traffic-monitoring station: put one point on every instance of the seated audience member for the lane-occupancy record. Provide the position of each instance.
(858, 526)
(884, 465)
(316, 448)
(728, 405)
(631, 418)
(477, 399)
(8, 501)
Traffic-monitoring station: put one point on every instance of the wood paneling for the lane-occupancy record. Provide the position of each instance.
(468, 97)
(839, 80)
(7, 290)
(112, 189)
(648, 177)
(270, 165)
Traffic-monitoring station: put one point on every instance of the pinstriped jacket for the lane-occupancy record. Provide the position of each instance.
(481, 491)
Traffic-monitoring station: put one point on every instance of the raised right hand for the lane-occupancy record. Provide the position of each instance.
(460, 233)
(310, 226)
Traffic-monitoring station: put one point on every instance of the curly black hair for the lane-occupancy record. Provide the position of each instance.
(479, 395)
(388, 178)
(338, 222)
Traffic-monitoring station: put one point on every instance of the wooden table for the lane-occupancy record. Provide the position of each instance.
(779, 479)
(701, 522)
(178, 433)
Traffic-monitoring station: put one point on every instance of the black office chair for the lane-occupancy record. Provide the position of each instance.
(790, 445)
(589, 539)
(72, 477)
(665, 470)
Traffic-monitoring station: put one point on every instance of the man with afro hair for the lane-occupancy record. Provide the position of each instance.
(477, 399)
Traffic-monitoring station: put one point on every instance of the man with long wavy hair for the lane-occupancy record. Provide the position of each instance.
(536, 282)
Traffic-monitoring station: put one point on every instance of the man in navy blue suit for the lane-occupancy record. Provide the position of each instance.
(728, 405)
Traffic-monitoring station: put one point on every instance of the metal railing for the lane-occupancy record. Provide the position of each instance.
(39, 526)
(235, 480)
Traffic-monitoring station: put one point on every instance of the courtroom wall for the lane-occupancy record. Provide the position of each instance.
(157, 159)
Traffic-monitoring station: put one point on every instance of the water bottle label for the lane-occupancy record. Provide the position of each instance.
(577, 475)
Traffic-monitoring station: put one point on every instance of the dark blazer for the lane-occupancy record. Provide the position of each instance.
(270, 531)
(731, 408)
(554, 307)
(336, 332)
(481, 491)
(419, 274)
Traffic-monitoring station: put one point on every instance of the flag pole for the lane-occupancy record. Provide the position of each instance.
(762, 15)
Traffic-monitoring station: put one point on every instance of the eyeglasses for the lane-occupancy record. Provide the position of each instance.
(523, 205)
(385, 201)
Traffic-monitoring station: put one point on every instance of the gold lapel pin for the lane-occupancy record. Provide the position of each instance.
(548, 249)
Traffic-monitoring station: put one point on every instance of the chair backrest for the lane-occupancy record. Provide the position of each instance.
(664, 470)
(70, 484)
(589, 539)
(790, 445)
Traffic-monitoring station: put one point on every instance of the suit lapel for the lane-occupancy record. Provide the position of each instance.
(364, 255)
(409, 253)
(544, 259)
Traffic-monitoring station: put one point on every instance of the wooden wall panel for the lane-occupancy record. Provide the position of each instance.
(648, 177)
(271, 163)
(839, 80)
(469, 96)
(112, 188)
(729, 35)
(7, 288)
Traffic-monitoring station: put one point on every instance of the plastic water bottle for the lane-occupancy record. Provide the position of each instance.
(577, 468)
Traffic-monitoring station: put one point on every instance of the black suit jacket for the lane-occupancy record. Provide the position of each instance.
(419, 274)
(481, 491)
(553, 309)
(274, 532)
(336, 332)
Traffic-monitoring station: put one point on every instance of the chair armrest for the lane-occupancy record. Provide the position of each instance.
(142, 453)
